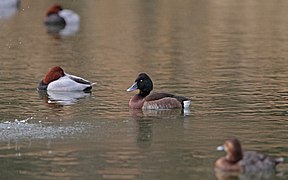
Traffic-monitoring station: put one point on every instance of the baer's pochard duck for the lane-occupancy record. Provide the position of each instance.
(147, 100)
(57, 80)
(248, 161)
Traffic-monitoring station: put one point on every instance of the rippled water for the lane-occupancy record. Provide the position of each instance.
(229, 56)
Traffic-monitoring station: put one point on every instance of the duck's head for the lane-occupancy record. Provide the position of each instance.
(55, 73)
(55, 9)
(233, 149)
(143, 83)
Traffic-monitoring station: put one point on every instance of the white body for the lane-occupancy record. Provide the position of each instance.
(69, 16)
(69, 29)
(66, 83)
(8, 8)
(72, 21)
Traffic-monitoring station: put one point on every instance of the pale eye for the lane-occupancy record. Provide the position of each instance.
(141, 80)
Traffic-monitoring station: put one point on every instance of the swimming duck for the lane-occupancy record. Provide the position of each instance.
(57, 80)
(56, 15)
(248, 161)
(147, 100)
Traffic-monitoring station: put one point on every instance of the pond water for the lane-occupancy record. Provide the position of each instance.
(228, 56)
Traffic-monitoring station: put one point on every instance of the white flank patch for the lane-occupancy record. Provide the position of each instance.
(186, 104)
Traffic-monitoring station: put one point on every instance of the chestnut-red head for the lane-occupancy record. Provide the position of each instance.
(54, 9)
(55, 73)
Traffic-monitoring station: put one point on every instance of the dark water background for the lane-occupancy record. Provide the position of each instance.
(229, 56)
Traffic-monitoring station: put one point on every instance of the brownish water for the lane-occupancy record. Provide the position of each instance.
(229, 56)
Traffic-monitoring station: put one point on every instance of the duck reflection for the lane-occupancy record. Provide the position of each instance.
(136, 113)
(60, 21)
(8, 8)
(63, 98)
(145, 133)
(144, 120)
(261, 175)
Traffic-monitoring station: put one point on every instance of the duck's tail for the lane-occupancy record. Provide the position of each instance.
(183, 100)
(279, 160)
(186, 104)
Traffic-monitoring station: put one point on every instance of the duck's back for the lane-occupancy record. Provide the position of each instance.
(253, 161)
(70, 16)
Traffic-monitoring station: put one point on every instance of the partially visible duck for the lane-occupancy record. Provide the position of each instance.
(56, 15)
(248, 161)
(147, 100)
(8, 8)
(9, 3)
(57, 80)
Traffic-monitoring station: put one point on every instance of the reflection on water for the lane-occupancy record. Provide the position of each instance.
(144, 119)
(229, 56)
(154, 113)
(145, 133)
(63, 98)
(247, 176)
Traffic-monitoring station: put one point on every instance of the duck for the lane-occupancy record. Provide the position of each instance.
(8, 8)
(9, 3)
(248, 161)
(58, 16)
(57, 80)
(154, 101)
